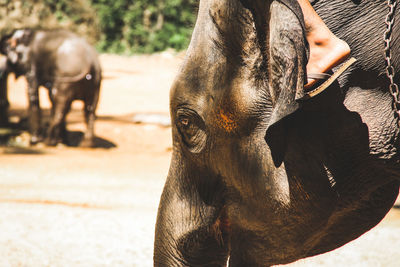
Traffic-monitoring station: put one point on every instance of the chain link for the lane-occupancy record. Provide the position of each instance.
(390, 72)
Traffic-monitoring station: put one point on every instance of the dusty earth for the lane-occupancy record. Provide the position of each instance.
(67, 206)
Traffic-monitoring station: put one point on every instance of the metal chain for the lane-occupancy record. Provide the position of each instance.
(393, 87)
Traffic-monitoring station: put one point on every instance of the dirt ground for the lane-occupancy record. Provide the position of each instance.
(68, 206)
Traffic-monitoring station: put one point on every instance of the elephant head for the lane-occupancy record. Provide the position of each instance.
(16, 47)
(256, 179)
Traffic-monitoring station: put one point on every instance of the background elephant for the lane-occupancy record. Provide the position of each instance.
(3, 91)
(256, 177)
(63, 63)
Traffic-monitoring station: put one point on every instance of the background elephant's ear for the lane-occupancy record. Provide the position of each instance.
(4, 43)
(27, 36)
(12, 57)
(22, 36)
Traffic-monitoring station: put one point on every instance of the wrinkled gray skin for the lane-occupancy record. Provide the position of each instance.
(63, 63)
(233, 195)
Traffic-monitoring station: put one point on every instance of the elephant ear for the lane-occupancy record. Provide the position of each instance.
(4, 43)
(288, 55)
(21, 37)
(13, 57)
(17, 45)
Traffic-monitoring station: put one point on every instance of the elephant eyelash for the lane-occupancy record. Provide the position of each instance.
(186, 116)
(191, 128)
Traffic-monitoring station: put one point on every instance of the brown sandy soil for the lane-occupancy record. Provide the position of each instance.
(67, 206)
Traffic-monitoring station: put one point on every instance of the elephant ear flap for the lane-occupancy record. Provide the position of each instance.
(283, 111)
(22, 36)
(27, 37)
(13, 57)
(4, 43)
(288, 55)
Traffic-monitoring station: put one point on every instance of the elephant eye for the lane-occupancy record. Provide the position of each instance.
(191, 129)
(184, 121)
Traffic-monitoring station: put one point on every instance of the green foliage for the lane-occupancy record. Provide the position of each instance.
(116, 26)
(76, 15)
(144, 26)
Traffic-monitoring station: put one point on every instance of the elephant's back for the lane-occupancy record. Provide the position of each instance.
(73, 57)
(362, 25)
(64, 55)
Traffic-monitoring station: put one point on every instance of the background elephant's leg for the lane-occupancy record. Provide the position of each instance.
(4, 104)
(90, 117)
(57, 122)
(34, 109)
(51, 92)
(63, 128)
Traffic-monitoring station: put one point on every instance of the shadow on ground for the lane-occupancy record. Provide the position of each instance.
(75, 137)
(15, 150)
(14, 135)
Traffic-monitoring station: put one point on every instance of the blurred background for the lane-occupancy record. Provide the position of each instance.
(113, 26)
(72, 206)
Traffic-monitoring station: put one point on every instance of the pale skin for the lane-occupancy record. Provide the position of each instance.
(326, 50)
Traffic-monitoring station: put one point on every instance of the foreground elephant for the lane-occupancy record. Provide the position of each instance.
(258, 178)
(63, 63)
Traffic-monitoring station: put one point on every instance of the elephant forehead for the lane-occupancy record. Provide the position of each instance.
(227, 120)
(235, 107)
